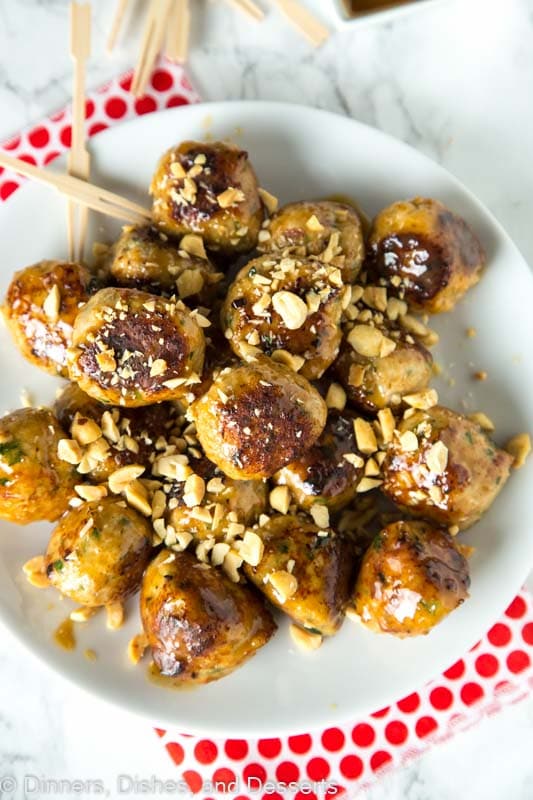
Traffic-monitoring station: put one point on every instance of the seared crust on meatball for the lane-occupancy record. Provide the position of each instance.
(305, 571)
(131, 348)
(444, 467)
(258, 417)
(40, 307)
(424, 253)
(307, 228)
(199, 624)
(34, 484)
(98, 552)
(412, 576)
(210, 189)
(286, 303)
(323, 474)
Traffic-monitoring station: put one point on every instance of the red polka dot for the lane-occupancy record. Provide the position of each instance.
(241, 797)
(39, 137)
(176, 100)
(300, 744)
(499, 635)
(518, 661)
(381, 713)
(205, 751)
(194, 780)
(272, 796)
(162, 80)
(333, 739)
(527, 633)
(89, 109)
(160, 732)
(175, 752)
(7, 188)
(254, 774)
(96, 128)
(318, 769)
(471, 692)
(487, 665)
(517, 608)
(50, 156)
(115, 107)
(28, 159)
(236, 748)
(334, 790)
(456, 671)
(144, 105)
(441, 698)
(379, 758)
(351, 767)
(224, 778)
(11, 144)
(287, 772)
(126, 82)
(409, 703)
(269, 748)
(396, 732)
(66, 135)
(305, 795)
(425, 726)
(363, 735)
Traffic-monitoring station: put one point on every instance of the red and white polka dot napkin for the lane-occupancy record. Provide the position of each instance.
(327, 763)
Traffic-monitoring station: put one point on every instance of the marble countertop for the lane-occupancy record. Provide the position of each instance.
(452, 79)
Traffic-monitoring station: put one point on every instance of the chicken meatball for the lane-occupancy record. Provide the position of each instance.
(425, 253)
(288, 304)
(412, 576)
(145, 258)
(305, 571)
(327, 473)
(258, 417)
(442, 466)
(40, 307)
(315, 228)
(199, 624)
(210, 189)
(34, 483)
(98, 552)
(131, 348)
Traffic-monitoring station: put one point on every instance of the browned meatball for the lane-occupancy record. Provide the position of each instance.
(200, 625)
(308, 228)
(411, 577)
(444, 467)
(131, 348)
(322, 474)
(34, 483)
(258, 417)
(40, 307)
(305, 571)
(289, 304)
(98, 552)
(210, 189)
(146, 258)
(424, 253)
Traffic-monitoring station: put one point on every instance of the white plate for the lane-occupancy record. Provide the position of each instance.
(298, 153)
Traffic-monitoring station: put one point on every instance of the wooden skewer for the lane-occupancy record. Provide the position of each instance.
(154, 34)
(248, 7)
(304, 21)
(88, 194)
(78, 158)
(118, 17)
(179, 24)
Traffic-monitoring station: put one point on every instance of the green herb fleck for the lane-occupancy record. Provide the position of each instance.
(11, 452)
(4, 481)
(377, 542)
(283, 547)
(431, 608)
(95, 533)
(469, 436)
(313, 630)
(382, 578)
(489, 452)
(498, 480)
(58, 565)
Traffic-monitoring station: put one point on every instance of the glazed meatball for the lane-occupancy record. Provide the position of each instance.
(98, 552)
(305, 571)
(308, 228)
(131, 348)
(199, 624)
(424, 253)
(442, 466)
(322, 474)
(145, 258)
(34, 483)
(210, 189)
(258, 417)
(412, 576)
(289, 304)
(40, 307)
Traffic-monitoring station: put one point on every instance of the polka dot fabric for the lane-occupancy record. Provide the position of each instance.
(107, 106)
(337, 760)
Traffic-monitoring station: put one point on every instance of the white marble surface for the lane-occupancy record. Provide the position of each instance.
(455, 80)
